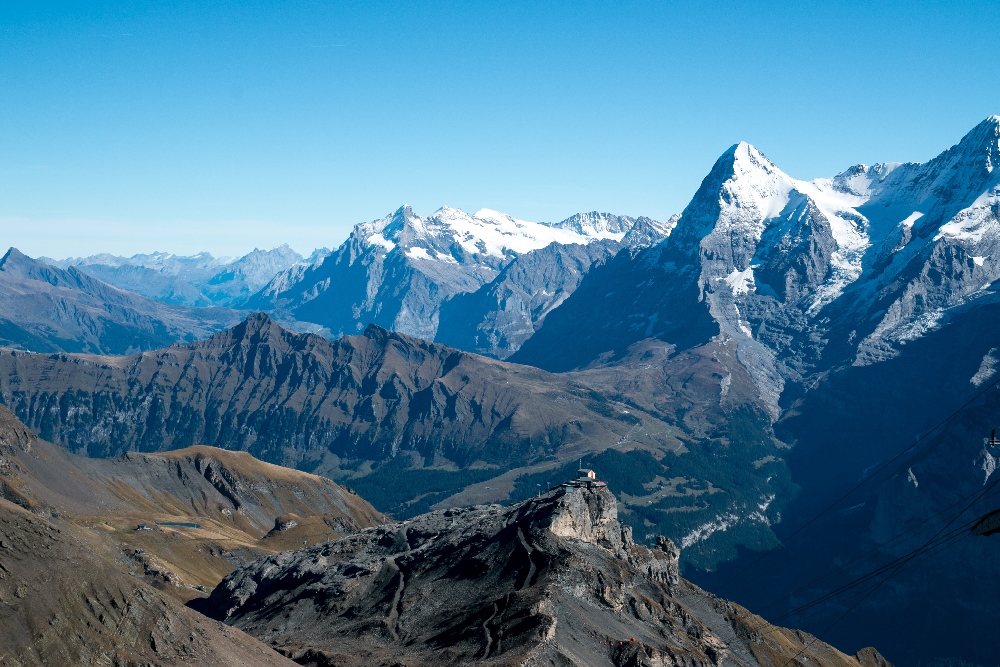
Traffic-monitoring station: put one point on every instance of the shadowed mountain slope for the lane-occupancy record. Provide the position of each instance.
(555, 580)
(48, 309)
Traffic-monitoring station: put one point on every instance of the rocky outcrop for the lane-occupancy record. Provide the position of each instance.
(553, 580)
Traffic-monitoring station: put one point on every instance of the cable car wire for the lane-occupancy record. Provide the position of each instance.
(877, 547)
(857, 486)
(896, 571)
(933, 543)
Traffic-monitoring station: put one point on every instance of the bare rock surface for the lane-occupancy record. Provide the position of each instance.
(556, 580)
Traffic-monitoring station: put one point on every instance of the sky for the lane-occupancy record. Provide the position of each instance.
(224, 126)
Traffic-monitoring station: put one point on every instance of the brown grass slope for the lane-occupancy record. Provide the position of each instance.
(66, 599)
(234, 500)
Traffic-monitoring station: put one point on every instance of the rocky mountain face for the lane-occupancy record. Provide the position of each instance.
(552, 580)
(398, 272)
(859, 307)
(890, 404)
(799, 276)
(48, 309)
(198, 280)
(412, 425)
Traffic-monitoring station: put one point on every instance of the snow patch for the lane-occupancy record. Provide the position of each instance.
(741, 282)
(724, 383)
(704, 531)
(910, 219)
(378, 239)
(417, 252)
(987, 368)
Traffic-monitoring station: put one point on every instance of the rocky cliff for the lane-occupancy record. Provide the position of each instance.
(552, 580)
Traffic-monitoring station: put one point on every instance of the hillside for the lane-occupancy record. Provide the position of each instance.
(231, 503)
(69, 600)
(412, 425)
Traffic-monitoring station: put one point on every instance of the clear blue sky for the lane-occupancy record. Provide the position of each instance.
(222, 126)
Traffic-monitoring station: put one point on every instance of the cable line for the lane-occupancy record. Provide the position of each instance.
(896, 571)
(857, 486)
(877, 547)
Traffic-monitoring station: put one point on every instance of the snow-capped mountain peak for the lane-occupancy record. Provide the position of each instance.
(485, 233)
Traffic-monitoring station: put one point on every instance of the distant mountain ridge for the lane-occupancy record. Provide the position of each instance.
(198, 280)
(48, 309)
(398, 272)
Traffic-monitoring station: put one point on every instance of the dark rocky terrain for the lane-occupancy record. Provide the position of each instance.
(48, 309)
(555, 580)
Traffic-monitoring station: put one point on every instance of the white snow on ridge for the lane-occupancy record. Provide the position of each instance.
(486, 232)
(758, 193)
(911, 218)
(974, 223)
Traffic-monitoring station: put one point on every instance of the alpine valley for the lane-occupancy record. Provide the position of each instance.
(786, 387)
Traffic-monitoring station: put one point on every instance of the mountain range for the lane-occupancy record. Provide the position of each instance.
(859, 306)
(403, 271)
(196, 280)
(413, 425)
(779, 346)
